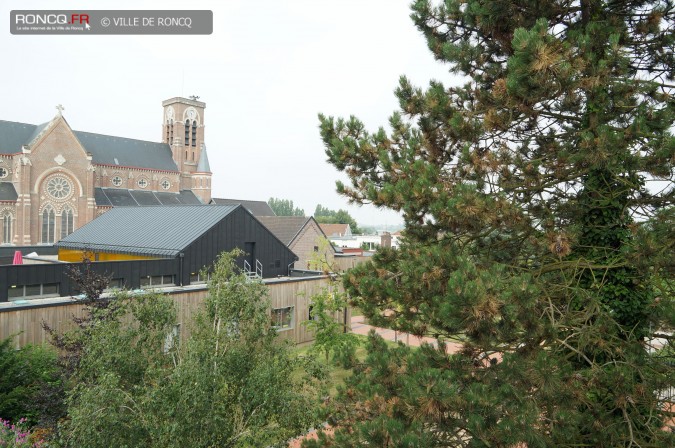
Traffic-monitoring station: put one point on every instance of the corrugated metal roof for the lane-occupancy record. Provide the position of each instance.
(257, 208)
(154, 231)
(284, 227)
(8, 192)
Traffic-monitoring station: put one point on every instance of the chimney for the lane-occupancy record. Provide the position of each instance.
(385, 239)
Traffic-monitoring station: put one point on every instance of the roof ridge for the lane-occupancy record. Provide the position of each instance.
(20, 122)
(125, 138)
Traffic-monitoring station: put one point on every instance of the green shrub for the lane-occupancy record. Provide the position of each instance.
(22, 374)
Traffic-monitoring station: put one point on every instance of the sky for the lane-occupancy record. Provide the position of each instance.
(265, 73)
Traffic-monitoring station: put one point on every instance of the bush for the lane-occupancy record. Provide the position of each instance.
(22, 374)
(17, 435)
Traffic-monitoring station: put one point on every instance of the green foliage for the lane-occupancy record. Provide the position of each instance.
(532, 236)
(324, 215)
(330, 335)
(229, 383)
(284, 207)
(322, 258)
(23, 372)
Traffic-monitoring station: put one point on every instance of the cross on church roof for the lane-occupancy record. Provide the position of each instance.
(60, 109)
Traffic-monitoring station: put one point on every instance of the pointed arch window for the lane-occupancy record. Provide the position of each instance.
(194, 132)
(67, 222)
(187, 132)
(171, 132)
(48, 222)
(7, 228)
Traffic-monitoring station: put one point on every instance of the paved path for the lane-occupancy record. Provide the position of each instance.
(360, 327)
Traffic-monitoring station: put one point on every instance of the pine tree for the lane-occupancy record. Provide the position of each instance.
(531, 196)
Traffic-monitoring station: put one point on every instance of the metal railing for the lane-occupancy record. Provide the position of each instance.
(250, 273)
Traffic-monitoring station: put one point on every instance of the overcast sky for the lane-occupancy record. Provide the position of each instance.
(267, 70)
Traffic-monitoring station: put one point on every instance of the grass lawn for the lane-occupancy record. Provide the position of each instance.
(356, 312)
(336, 374)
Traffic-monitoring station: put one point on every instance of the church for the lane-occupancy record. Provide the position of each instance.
(54, 179)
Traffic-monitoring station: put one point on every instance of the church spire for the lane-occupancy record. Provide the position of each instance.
(203, 165)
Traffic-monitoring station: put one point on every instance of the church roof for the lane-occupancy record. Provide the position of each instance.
(153, 231)
(257, 208)
(203, 165)
(14, 135)
(118, 197)
(109, 150)
(105, 149)
(8, 192)
(286, 228)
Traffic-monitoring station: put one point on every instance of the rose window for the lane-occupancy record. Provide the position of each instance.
(58, 187)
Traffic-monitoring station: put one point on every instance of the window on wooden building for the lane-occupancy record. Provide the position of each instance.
(282, 318)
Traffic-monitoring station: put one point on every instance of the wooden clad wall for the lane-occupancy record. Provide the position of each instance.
(26, 322)
(344, 263)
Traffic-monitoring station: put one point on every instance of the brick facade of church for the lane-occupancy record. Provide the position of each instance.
(48, 184)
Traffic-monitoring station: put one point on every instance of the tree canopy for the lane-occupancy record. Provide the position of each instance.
(536, 198)
(229, 383)
(284, 207)
(325, 215)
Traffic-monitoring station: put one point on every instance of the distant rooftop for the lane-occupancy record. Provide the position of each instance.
(257, 208)
(286, 228)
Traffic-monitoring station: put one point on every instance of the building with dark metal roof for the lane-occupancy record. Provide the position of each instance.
(258, 208)
(54, 179)
(195, 234)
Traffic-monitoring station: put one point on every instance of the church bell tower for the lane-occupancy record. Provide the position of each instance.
(183, 130)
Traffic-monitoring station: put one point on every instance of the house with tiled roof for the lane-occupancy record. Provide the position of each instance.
(303, 236)
(337, 230)
(54, 179)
